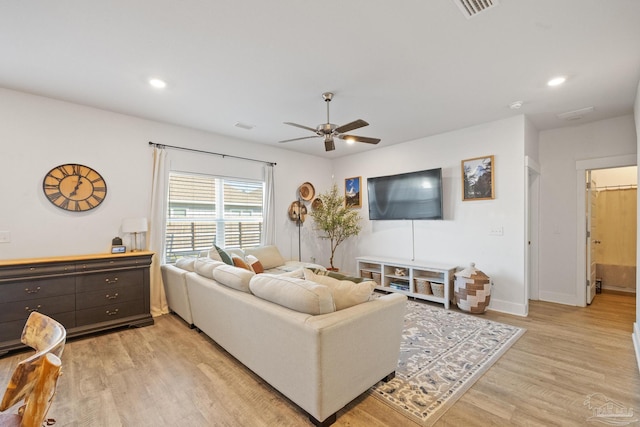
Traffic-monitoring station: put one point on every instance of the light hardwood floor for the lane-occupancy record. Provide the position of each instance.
(170, 375)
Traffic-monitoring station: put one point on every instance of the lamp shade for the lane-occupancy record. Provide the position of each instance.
(134, 225)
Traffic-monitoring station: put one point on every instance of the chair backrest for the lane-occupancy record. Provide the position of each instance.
(35, 378)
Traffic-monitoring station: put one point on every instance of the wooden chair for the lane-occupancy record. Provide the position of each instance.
(34, 379)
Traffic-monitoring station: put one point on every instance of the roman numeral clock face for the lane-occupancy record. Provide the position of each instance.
(74, 187)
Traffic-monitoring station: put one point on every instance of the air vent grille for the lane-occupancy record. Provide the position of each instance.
(471, 8)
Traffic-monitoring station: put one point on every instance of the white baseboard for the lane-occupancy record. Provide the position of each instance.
(636, 342)
(559, 298)
(508, 307)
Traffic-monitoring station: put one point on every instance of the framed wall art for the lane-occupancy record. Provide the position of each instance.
(478, 178)
(352, 192)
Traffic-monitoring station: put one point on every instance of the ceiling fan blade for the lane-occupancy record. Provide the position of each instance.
(298, 139)
(300, 126)
(356, 124)
(359, 139)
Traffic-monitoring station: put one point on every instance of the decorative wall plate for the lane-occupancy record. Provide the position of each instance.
(306, 191)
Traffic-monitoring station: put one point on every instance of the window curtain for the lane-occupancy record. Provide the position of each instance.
(268, 236)
(157, 228)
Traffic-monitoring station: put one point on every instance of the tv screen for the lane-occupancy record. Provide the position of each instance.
(412, 195)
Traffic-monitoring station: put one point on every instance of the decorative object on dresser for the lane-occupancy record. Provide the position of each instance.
(85, 293)
(135, 226)
(74, 187)
(472, 290)
(423, 280)
(334, 220)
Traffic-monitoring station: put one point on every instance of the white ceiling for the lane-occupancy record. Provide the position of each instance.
(411, 68)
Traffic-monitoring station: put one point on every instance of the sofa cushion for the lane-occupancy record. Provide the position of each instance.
(233, 277)
(255, 264)
(269, 256)
(186, 263)
(345, 292)
(220, 254)
(335, 275)
(205, 266)
(296, 294)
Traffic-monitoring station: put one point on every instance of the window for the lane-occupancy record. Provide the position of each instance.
(205, 210)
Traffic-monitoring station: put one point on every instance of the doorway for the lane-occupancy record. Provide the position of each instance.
(611, 245)
(582, 166)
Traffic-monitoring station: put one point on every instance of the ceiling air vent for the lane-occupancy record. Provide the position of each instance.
(471, 8)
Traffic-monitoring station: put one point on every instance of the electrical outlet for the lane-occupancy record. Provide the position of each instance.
(5, 237)
(496, 231)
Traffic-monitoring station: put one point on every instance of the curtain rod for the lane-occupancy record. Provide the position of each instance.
(210, 152)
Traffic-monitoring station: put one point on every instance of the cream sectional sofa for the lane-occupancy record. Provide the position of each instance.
(286, 329)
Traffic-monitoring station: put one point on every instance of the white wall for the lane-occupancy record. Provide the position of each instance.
(559, 151)
(463, 236)
(39, 133)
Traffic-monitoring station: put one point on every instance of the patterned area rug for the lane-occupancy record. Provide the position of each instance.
(442, 354)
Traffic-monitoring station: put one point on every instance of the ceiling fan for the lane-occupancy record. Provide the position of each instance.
(329, 131)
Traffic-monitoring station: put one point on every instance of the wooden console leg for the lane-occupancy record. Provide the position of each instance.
(330, 420)
(389, 377)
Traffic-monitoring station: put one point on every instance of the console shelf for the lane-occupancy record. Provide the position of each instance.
(411, 278)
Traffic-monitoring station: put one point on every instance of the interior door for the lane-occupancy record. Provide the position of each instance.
(592, 194)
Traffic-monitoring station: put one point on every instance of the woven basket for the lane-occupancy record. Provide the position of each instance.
(437, 289)
(376, 277)
(423, 286)
(472, 290)
(365, 274)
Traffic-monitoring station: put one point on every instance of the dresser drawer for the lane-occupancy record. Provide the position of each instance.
(13, 330)
(108, 280)
(110, 264)
(36, 270)
(109, 313)
(109, 296)
(21, 309)
(39, 288)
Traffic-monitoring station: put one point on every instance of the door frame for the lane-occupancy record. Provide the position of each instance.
(532, 223)
(581, 222)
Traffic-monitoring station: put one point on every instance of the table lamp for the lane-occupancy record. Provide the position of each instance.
(135, 226)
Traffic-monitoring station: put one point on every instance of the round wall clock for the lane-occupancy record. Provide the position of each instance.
(74, 187)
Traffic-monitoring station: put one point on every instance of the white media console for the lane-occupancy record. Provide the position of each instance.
(414, 279)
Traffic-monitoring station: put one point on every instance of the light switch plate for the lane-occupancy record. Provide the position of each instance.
(5, 237)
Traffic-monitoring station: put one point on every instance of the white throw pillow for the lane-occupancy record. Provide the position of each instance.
(345, 292)
(269, 256)
(296, 294)
(205, 266)
(233, 277)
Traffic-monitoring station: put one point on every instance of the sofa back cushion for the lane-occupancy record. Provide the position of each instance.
(205, 266)
(233, 277)
(269, 256)
(296, 294)
(187, 263)
(345, 292)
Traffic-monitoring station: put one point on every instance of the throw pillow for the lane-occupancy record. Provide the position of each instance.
(239, 262)
(212, 253)
(255, 264)
(233, 277)
(269, 256)
(223, 255)
(296, 294)
(345, 292)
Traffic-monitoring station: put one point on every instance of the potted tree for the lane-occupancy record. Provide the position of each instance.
(333, 220)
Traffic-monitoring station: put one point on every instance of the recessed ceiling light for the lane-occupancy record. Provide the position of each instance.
(556, 81)
(157, 83)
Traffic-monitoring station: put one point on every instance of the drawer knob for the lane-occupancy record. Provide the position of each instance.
(111, 282)
(112, 313)
(32, 291)
(114, 296)
(38, 307)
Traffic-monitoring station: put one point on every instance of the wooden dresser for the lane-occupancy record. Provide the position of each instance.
(86, 293)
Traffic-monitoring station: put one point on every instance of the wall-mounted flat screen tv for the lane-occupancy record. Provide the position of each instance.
(412, 195)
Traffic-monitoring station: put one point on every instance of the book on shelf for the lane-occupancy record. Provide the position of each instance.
(402, 286)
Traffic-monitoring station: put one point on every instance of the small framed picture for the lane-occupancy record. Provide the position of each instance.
(118, 249)
(478, 178)
(352, 192)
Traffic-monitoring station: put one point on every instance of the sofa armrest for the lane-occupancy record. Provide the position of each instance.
(175, 288)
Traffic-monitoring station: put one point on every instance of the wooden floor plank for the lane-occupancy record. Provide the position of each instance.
(168, 374)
